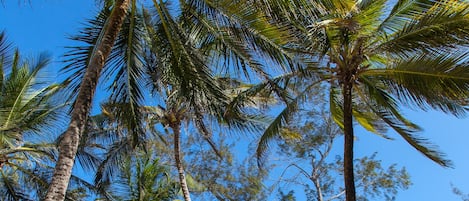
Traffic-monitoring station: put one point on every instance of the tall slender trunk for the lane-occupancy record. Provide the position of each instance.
(177, 157)
(348, 141)
(68, 145)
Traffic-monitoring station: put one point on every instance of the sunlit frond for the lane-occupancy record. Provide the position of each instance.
(443, 25)
(437, 81)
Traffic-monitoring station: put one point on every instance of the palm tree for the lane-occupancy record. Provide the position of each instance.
(374, 59)
(28, 110)
(69, 144)
(174, 61)
(142, 177)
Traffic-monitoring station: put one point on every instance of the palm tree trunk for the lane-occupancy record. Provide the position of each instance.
(348, 142)
(177, 156)
(68, 145)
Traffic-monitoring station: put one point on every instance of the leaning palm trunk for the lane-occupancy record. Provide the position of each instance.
(348, 142)
(68, 145)
(177, 156)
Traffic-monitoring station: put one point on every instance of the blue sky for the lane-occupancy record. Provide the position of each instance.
(44, 25)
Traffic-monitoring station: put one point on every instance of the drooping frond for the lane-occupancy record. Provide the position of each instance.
(421, 144)
(115, 156)
(385, 107)
(5, 54)
(281, 120)
(126, 73)
(78, 57)
(438, 81)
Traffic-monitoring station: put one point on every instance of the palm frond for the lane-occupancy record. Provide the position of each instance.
(402, 12)
(186, 70)
(34, 178)
(4, 45)
(367, 14)
(445, 25)
(12, 190)
(245, 97)
(246, 32)
(78, 57)
(384, 106)
(127, 76)
(114, 157)
(420, 144)
(437, 81)
(336, 108)
(281, 120)
(5, 55)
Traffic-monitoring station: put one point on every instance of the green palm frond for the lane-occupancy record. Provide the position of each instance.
(78, 57)
(384, 106)
(126, 72)
(144, 177)
(185, 68)
(114, 157)
(101, 128)
(402, 12)
(4, 45)
(281, 120)
(11, 188)
(33, 178)
(246, 33)
(18, 86)
(335, 107)
(225, 45)
(27, 103)
(372, 95)
(247, 97)
(273, 130)
(377, 99)
(370, 122)
(88, 159)
(437, 81)
(420, 144)
(5, 55)
(367, 15)
(444, 25)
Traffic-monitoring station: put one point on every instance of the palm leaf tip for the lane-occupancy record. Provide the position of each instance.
(420, 144)
(429, 150)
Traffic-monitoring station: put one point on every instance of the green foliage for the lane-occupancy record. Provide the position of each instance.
(231, 177)
(286, 197)
(27, 111)
(143, 177)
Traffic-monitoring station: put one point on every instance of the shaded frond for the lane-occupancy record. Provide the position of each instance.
(281, 120)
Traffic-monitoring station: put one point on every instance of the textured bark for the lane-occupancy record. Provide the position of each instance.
(69, 144)
(348, 141)
(177, 157)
